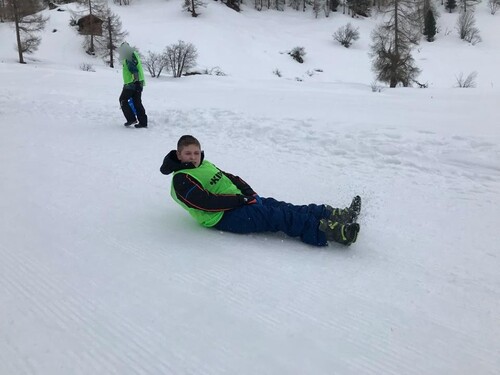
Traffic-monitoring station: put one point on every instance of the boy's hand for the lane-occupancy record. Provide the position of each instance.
(258, 198)
(248, 200)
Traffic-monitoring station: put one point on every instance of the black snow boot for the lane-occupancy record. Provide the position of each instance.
(128, 123)
(345, 234)
(346, 215)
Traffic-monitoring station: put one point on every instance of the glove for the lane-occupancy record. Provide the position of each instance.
(248, 200)
(138, 85)
(258, 198)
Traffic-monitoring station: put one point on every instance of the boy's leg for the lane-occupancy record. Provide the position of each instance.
(273, 217)
(141, 112)
(127, 111)
(319, 211)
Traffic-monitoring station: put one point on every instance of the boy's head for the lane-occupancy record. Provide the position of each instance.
(125, 51)
(189, 150)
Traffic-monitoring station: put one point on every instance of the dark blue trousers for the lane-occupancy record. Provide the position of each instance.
(127, 111)
(275, 216)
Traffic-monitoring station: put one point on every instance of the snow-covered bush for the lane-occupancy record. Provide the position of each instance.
(375, 87)
(346, 35)
(298, 54)
(155, 63)
(214, 71)
(466, 27)
(467, 82)
(87, 67)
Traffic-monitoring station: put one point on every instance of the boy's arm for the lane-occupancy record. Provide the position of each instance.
(191, 193)
(240, 184)
(132, 67)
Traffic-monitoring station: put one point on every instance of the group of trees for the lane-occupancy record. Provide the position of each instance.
(391, 49)
(353, 7)
(406, 20)
(28, 22)
(176, 58)
(103, 41)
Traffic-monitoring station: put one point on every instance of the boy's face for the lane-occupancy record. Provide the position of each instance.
(190, 154)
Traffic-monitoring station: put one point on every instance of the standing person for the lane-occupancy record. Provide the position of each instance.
(133, 83)
(220, 200)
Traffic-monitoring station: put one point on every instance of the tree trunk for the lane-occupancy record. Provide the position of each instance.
(110, 40)
(18, 32)
(193, 10)
(395, 59)
(91, 25)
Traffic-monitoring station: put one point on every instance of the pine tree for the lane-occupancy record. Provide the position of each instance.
(27, 24)
(295, 4)
(359, 7)
(317, 6)
(192, 6)
(430, 26)
(392, 45)
(3, 10)
(95, 8)
(334, 4)
(422, 7)
(450, 5)
(112, 36)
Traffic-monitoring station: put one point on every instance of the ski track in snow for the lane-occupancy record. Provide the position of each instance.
(453, 158)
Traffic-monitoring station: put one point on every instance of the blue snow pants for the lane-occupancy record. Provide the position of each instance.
(274, 216)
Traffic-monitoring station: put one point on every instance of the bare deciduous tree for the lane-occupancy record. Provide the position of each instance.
(181, 57)
(467, 4)
(346, 35)
(155, 63)
(493, 5)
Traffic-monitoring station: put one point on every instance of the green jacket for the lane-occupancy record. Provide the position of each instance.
(214, 181)
(131, 67)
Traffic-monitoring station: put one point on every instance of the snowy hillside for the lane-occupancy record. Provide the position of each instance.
(102, 273)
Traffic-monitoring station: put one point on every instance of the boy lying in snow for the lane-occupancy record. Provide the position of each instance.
(220, 200)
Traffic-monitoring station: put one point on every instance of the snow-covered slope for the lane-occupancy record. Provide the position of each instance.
(102, 273)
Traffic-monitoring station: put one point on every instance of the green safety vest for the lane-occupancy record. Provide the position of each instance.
(213, 181)
(128, 77)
